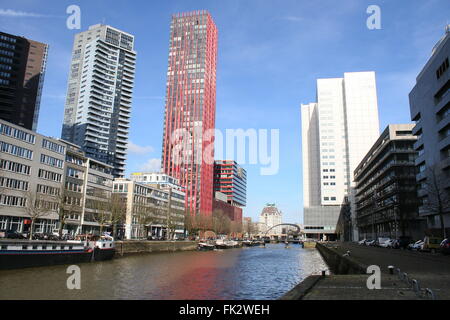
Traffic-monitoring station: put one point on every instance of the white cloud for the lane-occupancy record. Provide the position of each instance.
(134, 148)
(152, 165)
(20, 14)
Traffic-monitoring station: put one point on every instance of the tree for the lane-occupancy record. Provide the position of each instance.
(250, 228)
(36, 206)
(221, 223)
(145, 215)
(190, 223)
(438, 199)
(101, 215)
(204, 222)
(236, 227)
(118, 210)
(68, 204)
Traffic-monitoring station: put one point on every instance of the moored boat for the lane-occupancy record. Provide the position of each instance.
(103, 246)
(36, 253)
(221, 244)
(204, 246)
(248, 243)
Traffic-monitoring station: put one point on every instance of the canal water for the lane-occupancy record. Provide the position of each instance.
(246, 273)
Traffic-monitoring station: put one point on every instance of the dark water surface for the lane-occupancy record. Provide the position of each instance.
(247, 273)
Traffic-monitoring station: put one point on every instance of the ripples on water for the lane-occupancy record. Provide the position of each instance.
(247, 273)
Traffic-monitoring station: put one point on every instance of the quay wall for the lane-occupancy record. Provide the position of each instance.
(338, 263)
(143, 246)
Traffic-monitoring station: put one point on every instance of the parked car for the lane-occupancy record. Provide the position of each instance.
(431, 244)
(445, 246)
(10, 234)
(362, 242)
(392, 244)
(389, 243)
(371, 243)
(416, 245)
(382, 242)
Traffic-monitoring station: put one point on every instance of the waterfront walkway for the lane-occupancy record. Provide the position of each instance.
(430, 270)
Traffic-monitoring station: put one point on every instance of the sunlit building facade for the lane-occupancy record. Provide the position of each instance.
(191, 107)
(337, 132)
(98, 103)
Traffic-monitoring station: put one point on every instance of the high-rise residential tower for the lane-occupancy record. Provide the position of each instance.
(99, 93)
(429, 102)
(191, 107)
(337, 132)
(22, 68)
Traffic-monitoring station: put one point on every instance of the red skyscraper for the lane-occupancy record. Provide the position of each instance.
(191, 107)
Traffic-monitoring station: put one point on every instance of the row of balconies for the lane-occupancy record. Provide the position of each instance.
(383, 171)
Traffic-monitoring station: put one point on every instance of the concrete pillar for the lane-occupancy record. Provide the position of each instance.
(128, 231)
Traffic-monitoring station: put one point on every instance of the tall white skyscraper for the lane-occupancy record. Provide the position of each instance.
(98, 104)
(337, 132)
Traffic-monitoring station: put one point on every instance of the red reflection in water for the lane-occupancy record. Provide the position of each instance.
(200, 277)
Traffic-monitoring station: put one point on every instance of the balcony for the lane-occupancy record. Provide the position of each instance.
(444, 143)
(445, 163)
(418, 143)
(420, 159)
(443, 123)
(417, 128)
(442, 103)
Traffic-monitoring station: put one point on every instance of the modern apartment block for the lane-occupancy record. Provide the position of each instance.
(22, 69)
(35, 168)
(231, 179)
(147, 210)
(337, 132)
(386, 195)
(430, 109)
(191, 107)
(100, 86)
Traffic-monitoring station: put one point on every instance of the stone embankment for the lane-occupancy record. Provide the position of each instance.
(138, 246)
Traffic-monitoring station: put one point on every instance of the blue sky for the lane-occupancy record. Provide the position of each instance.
(270, 55)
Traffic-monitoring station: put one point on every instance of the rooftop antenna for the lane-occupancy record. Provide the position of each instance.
(103, 21)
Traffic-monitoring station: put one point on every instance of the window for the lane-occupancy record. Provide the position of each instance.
(16, 133)
(14, 167)
(53, 146)
(48, 190)
(74, 173)
(442, 68)
(12, 201)
(48, 175)
(13, 184)
(16, 150)
(58, 163)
